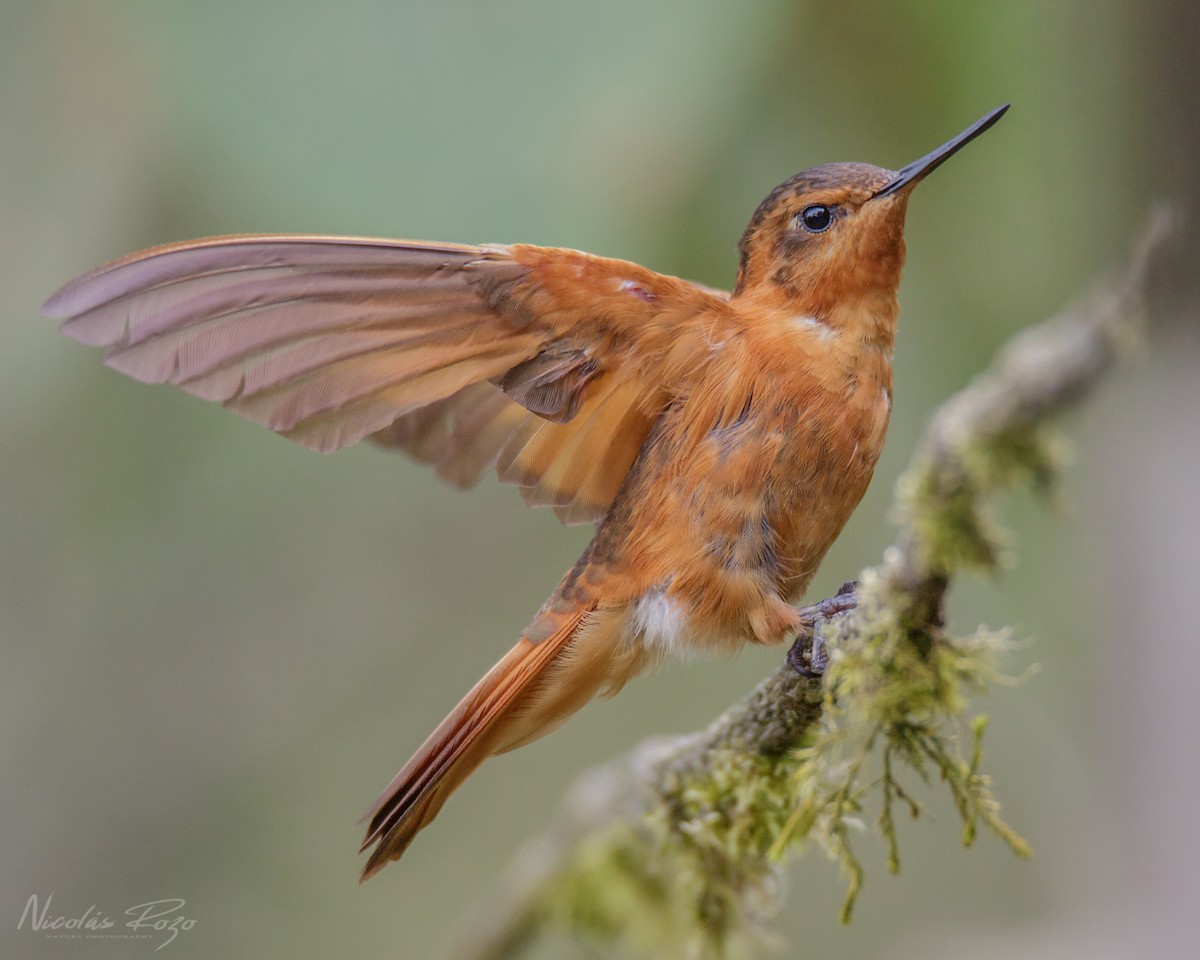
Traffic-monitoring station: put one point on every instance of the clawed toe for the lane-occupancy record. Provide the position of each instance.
(808, 655)
(809, 659)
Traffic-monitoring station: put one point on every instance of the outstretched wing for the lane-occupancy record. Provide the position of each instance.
(549, 364)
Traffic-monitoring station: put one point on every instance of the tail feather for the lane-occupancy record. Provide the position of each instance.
(487, 720)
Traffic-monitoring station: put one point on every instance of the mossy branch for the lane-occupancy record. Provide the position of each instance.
(673, 850)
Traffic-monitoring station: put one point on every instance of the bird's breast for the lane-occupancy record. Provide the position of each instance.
(742, 488)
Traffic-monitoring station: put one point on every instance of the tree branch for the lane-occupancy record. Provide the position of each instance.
(671, 850)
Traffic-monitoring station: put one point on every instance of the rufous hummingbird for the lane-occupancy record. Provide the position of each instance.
(719, 440)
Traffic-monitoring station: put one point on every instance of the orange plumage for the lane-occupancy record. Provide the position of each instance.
(721, 441)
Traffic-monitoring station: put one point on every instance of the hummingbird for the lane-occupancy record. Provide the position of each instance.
(718, 440)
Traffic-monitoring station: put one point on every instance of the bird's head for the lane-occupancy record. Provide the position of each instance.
(832, 237)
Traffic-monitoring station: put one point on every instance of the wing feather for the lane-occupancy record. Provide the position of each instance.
(549, 364)
(193, 259)
(460, 435)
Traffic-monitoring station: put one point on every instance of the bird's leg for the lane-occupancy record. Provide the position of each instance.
(811, 662)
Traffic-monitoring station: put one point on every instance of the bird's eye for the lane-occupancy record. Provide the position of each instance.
(816, 218)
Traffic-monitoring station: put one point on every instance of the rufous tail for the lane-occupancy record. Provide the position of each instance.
(518, 700)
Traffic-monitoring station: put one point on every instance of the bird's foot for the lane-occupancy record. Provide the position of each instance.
(808, 656)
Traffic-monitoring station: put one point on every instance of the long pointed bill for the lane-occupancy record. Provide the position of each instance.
(916, 171)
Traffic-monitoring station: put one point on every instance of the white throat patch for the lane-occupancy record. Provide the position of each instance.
(813, 325)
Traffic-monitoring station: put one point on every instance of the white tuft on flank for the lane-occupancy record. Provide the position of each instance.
(660, 622)
(816, 326)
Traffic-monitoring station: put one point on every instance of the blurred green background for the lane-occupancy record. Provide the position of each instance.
(217, 647)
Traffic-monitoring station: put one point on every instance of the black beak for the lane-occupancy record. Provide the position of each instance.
(916, 171)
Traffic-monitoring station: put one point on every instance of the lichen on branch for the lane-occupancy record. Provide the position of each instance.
(674, 850)
(895, 695)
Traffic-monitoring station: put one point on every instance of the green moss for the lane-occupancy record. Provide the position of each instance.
(888, 704)
(945, 500)
(693, 879)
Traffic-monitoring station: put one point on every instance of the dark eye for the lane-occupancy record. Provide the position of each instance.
(816, 218)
